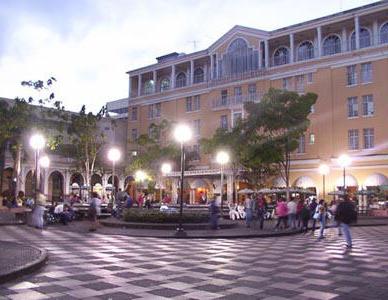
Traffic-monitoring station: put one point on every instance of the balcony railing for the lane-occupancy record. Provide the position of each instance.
(235, 101)
(224, 79)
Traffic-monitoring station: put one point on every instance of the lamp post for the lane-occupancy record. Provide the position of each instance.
(37, 143)
(114, 155)
(44, 162)
(222, 158)
(182, 135)
(166, 168)
(344, 161)
(323, 170)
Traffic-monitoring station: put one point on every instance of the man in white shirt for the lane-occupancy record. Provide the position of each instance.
(291, 207)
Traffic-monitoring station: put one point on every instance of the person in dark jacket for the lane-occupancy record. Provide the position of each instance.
(305, 217)
(313, 207)
(345, 215)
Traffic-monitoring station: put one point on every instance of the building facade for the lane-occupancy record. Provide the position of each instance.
(342, 57)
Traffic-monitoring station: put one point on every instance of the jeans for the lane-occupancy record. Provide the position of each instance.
(281, 219)
(346, 231)
(249, 216)
(292, 220)
(322, 221)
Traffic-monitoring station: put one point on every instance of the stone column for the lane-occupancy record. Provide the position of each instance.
(173, 76)
(67, 182)
(217, 67)
(192, 196)
(205, 70)
(129, 87)
(45, 172)
(344, 40)
(357, 30)
(211, 66)
(154, 80)
(260, 56)
(191, 72)
(266, 53)
(174, 190)
(291, 47)
(375, 33)
(229, 187)
(139, 86)
(319, 40)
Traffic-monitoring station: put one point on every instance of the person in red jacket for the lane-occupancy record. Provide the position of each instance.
(282, 212)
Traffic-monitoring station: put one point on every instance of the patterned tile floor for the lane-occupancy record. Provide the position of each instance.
(96, 266)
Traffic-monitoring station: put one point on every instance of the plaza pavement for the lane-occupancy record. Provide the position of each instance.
(101, 266)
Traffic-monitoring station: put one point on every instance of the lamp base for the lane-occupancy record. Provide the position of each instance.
(180, 232)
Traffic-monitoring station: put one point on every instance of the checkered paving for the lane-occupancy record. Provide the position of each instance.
(95, 266)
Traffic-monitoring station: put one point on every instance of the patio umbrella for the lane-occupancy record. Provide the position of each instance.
(266, 191)
(245, 191)
(340, 193)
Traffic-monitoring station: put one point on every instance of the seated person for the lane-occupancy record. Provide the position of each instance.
(61, 211)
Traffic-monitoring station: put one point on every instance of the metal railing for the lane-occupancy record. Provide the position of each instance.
(233, 101)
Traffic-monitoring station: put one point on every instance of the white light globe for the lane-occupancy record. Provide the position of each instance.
(222, 157)
(323, 169)
(182, 133)
(114, 154)
(344, 160)
(37, 141)
(166, 168)
(44, 161)
(140, 175)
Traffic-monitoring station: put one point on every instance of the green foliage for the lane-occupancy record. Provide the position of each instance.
(155, 216)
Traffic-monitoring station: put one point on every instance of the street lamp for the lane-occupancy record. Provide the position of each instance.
(37, 143)
(114, 155)
(222, 158)
(166, 168)
(44, 162)
(182, 135)
(323, 170)
(344, 161)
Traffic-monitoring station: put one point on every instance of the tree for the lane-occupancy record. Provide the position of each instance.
(87, 140)
(279, 120)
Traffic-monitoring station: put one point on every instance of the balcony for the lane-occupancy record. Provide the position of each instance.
(224, 79)
(234, 102)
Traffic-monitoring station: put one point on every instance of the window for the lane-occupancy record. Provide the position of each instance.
(364, 39)
(369, 138)
(154, 110)
(196, 103)
(351, 75)
(252, 92)
(134, 134)
(149, 87)
(196, 152)
(299, 83)
(312, 138)
(199, 75)
(310, 78)
(305, 51)
(134, 114)
(352, 107)
(189, 104)
(302, 144)
(165, 84)
(331, 45)
(366, 72)
(368, 106)
(224, 122)
(224, 97)
(353, 139)
(281, 56)
(197, 127)
(286, 83)
(384, 34)
(237, 116)
(153, 133)
(238, 94)
(180, 80)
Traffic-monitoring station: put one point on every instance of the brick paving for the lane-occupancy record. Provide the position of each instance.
(100, 266)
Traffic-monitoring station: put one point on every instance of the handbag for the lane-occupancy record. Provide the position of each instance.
(317, 216)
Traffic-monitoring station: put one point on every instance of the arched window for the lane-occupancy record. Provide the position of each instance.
(237, 57)
(364, 39)
(238, 46)
(331, 45)
(164, 84)
(180, 80)
(306, 51)
(199, 75)
(149, 87)
(384, 34)
(281, 56)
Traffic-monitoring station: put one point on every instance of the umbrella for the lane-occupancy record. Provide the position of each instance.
(340, 193)
(266, 191)
(245, 191)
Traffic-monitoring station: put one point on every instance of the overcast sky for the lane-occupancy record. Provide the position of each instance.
(88, 45)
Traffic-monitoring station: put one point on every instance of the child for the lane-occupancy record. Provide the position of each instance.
(305, 217)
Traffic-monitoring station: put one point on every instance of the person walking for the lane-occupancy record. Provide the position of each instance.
(213, 213)
(94, 211)
(332, 210)
(291, 209)
(281, 212)
(39, 209)
(345, 215)
(304, 218)
(299, 207)
(261, 210)
(249, 210)
(313, 207)
(320, 215)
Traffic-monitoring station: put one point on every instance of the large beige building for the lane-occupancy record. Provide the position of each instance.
(342, 57)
